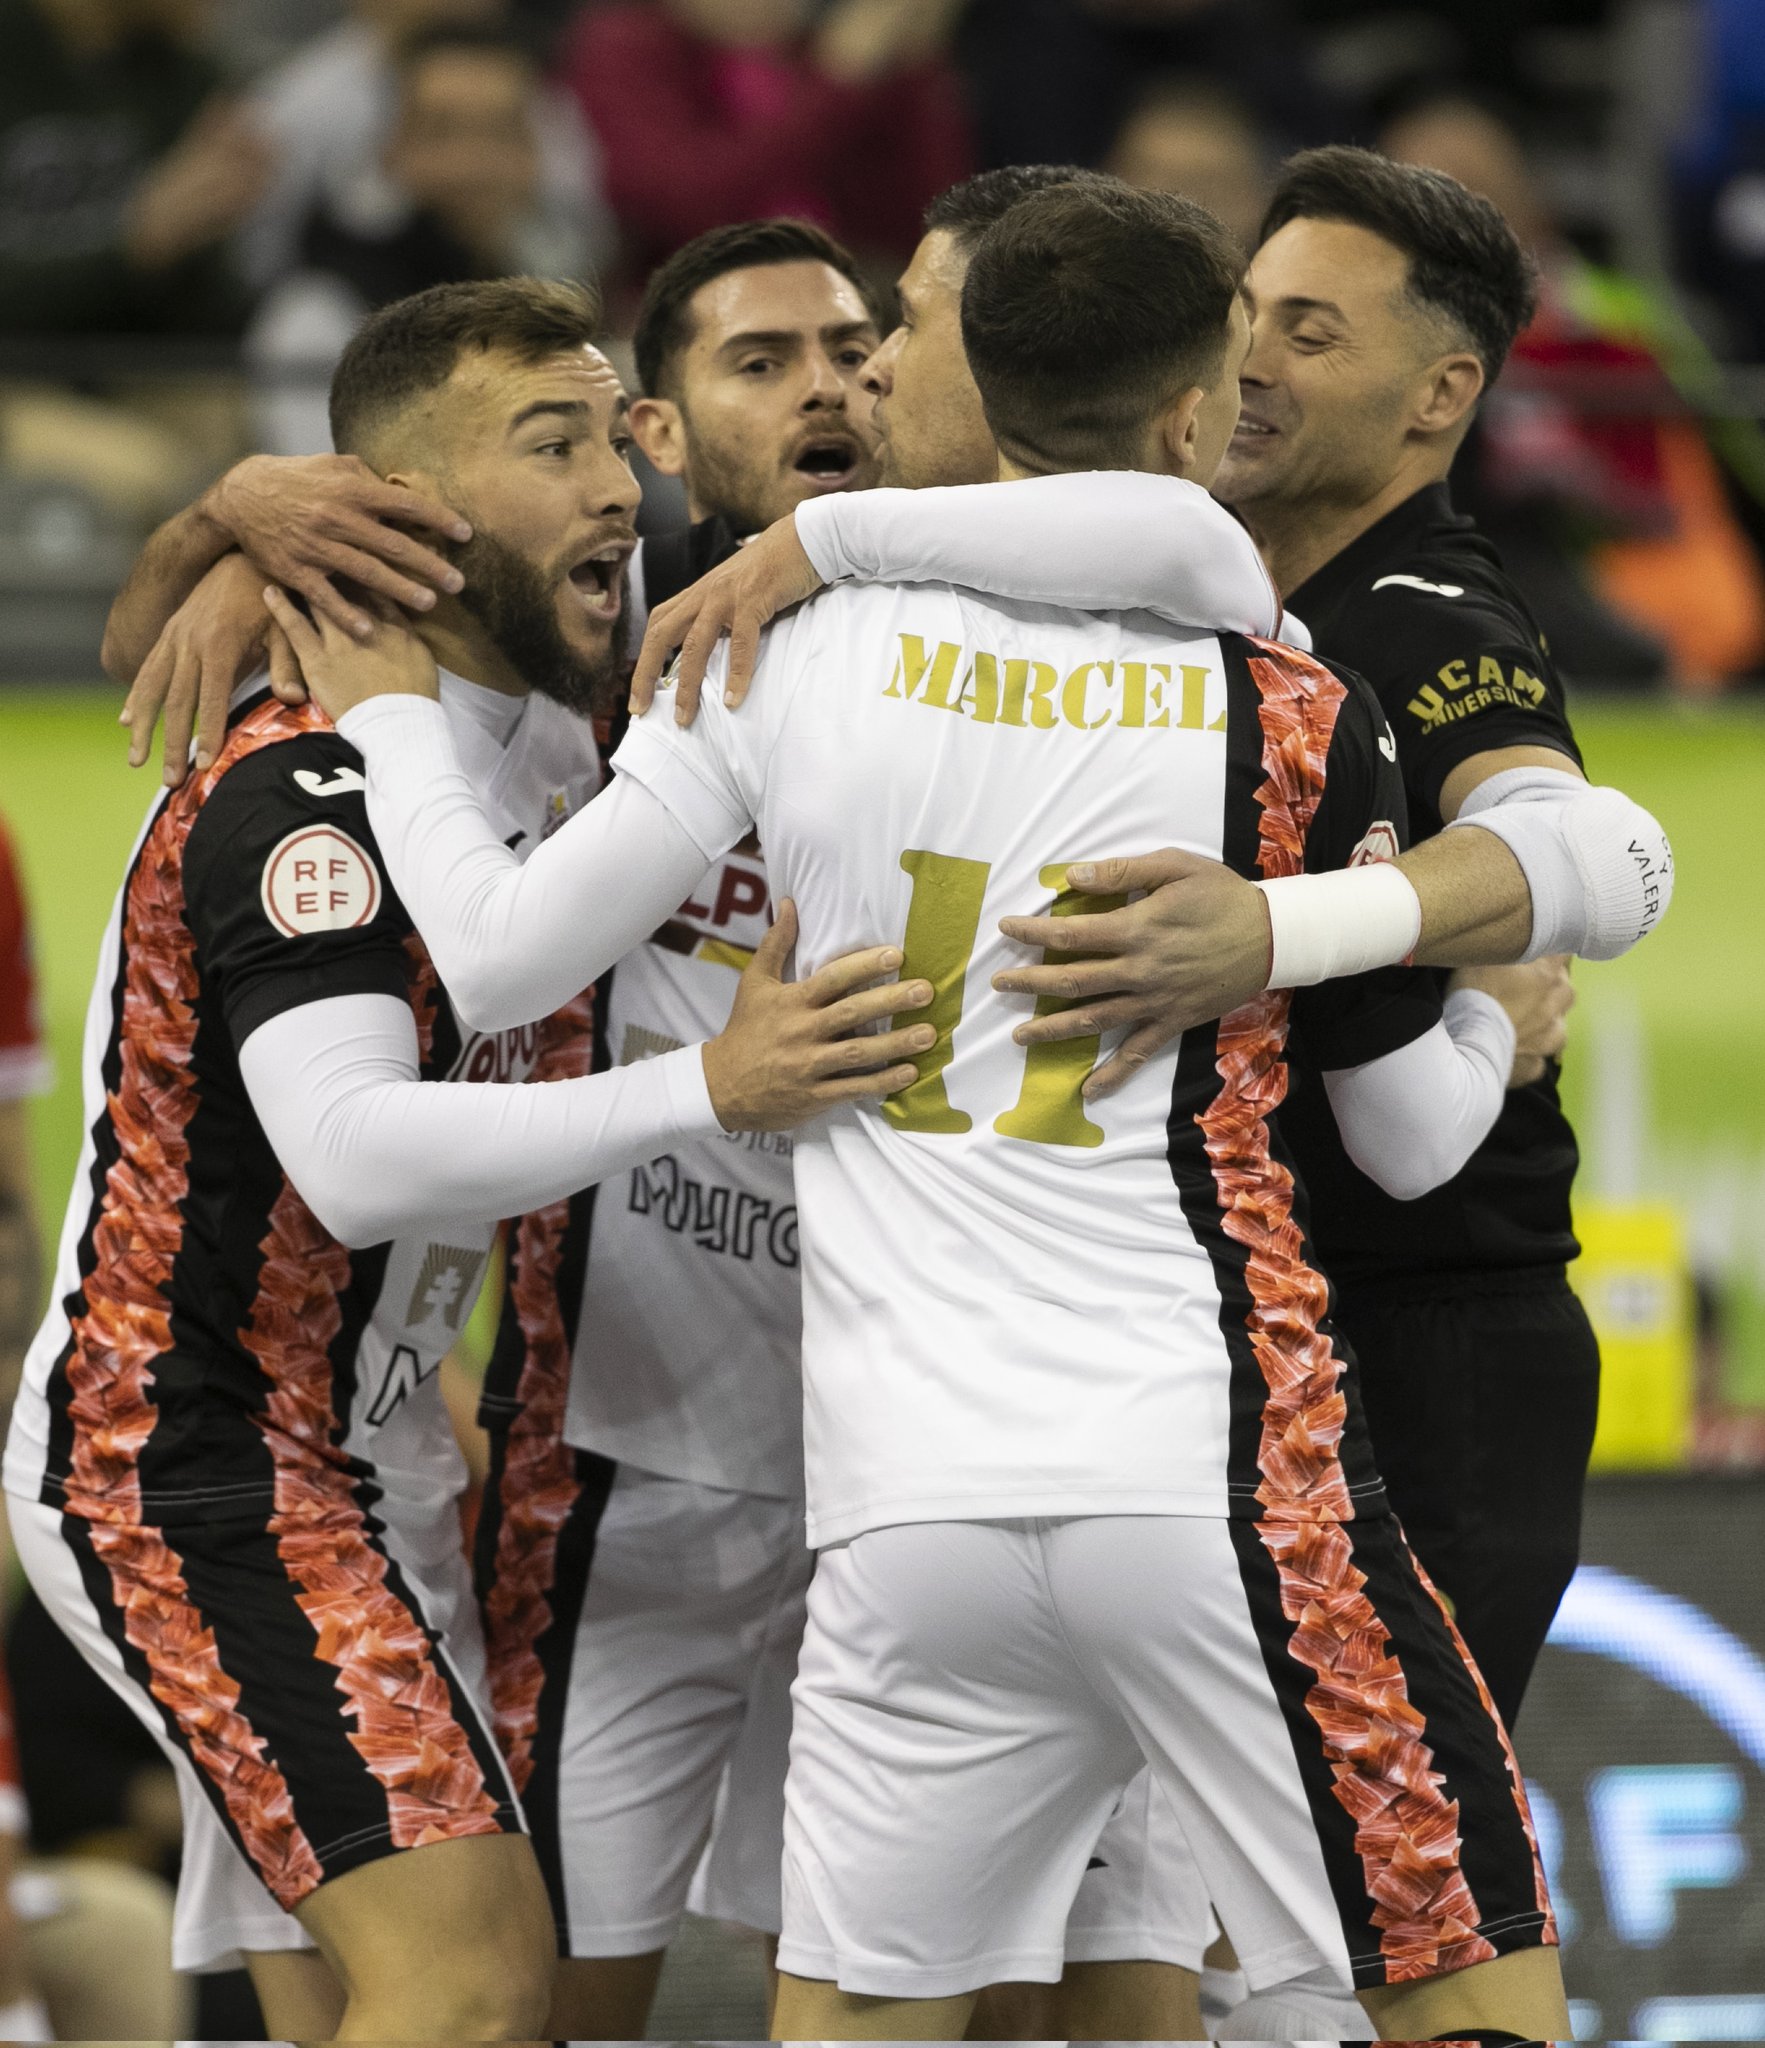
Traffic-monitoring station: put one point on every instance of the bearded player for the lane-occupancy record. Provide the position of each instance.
(232, 1479)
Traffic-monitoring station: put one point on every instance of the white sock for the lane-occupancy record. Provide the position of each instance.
(1221, 1992)
(25, 2019)
(1310, 2008)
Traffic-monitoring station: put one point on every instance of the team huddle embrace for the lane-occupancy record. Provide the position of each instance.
(1019, 1072)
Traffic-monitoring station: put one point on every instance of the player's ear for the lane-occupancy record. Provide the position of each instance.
(425, 481)
(1451, 387)
(1177, 433)
(659, 430)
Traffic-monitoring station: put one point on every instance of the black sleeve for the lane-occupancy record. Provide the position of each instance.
(284, 888)
(1457, 675)
(1362, 816)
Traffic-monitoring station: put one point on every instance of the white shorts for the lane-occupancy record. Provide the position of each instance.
(974, 1698)
(646, 1694)
(275, 1701)
(1141, 1899)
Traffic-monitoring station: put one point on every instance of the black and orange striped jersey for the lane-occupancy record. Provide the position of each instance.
(212, 1351)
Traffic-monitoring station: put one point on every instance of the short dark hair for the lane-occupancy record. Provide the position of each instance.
(969, 209)
(413, 345)
(484, 37)
(664, 322)
(1086, 308)
(1465, 263)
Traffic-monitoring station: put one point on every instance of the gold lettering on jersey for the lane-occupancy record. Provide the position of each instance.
(1143, 688)
(932, 676)
(1493, 685)
(1075, 698)
(993, 689)
(1050, 1109)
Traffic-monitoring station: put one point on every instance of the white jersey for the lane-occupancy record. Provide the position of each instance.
(686, 1354)
(254, 1322)
(1017, 1303)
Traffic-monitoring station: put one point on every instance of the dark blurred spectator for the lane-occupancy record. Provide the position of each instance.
(1051, 81)
(455, 194)
(329, 111)
(24, 1072)
(1594, 438)
(712, 111)
(1191, 137)
(121, 174)
(1721, 169)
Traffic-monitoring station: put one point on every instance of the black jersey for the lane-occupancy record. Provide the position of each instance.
(1420, 606)
(213, 1349)
(668, 563)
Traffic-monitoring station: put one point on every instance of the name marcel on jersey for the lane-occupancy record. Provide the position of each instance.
(993, 689)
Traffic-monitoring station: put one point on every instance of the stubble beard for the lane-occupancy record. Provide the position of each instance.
(510, 599)
(725, 488)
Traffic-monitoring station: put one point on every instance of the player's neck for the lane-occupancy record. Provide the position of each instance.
(460, 645)
(1299, 535)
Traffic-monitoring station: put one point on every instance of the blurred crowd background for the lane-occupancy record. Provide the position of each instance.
(201, 199)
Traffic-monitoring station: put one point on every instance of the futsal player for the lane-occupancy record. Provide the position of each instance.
(1392, 272)
(979, 1290)
(643, 1581)
(640, 1558)
(231, 1477)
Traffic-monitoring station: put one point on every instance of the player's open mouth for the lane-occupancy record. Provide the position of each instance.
(1252, 430)
(599, 580)
(828, 465)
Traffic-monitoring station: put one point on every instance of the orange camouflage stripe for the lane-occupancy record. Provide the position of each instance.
(1406, 1830)
(539, 1482)
(125, 1325)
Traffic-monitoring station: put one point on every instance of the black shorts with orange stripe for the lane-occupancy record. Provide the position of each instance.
(330, 1714)
(207, 1429)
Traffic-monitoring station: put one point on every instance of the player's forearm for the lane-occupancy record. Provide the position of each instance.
(1476, 906)
(1411, 1120)
(512, 940)
(169, 567)
(1536, 862)
(1099, 541)
(376, 1153)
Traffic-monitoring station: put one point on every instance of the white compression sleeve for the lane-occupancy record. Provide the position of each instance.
(375, 1152)
(513, 940)
(1412, 1119)
(1099, 540)
(1598, 865)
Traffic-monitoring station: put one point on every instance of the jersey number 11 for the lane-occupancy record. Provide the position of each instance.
(943, 921)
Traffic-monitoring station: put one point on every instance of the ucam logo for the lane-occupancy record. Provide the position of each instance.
(1659, 1834)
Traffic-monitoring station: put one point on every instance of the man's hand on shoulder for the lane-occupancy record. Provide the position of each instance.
(1194, 947)
(795, 1049)
(210, 644)
(1538, 998)
(306, 519)
(342, 671)
(739, 597)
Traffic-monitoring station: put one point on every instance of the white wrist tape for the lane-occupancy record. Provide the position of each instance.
(1598, 866)
(1340, 923)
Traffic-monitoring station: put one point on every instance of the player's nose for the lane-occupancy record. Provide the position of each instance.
(877, 373)
(826, 387)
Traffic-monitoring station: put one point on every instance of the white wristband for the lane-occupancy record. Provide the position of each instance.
(1344, 922)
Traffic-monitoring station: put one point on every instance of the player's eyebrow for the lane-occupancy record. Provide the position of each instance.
(563, 408)
(1297, 306)
(760, 337)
